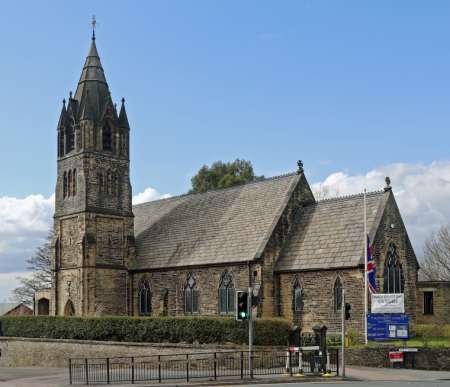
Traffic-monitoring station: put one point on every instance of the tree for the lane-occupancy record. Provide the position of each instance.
(222, 175)
(40, 278)
(436, 260)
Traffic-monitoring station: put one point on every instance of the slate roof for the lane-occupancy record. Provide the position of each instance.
(329, 233)
(220, 226)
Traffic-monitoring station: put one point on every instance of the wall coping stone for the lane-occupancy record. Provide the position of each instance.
(209, 346)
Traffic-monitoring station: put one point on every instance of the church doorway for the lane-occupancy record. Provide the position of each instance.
(43, 307)
(69, 309)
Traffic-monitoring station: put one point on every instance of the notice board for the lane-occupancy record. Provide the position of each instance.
(387, 326)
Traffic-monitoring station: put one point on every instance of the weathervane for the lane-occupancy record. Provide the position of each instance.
(93, 24)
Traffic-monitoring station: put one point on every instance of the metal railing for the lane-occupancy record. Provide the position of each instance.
(208, 366)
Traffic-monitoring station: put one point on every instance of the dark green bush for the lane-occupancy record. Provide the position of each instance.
(148, 329)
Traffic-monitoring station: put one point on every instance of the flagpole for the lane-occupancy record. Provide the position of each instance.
(365, 269)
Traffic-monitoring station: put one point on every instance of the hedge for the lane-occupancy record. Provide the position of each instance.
(431, 330)
(147, 329)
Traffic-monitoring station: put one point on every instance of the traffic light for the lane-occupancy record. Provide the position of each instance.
(348, 307)
(241, 305)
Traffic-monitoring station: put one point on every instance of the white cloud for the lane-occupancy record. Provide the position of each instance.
(149, 195)
(422, 192)
(24, 225)
(8, 282)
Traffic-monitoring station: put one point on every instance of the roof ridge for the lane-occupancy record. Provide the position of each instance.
(352, 196)
(221, 189)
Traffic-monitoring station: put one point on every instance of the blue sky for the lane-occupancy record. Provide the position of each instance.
(356, 89)
(341, 85)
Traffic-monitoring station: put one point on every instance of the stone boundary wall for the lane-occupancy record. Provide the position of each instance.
(29, 352)
(425, 358)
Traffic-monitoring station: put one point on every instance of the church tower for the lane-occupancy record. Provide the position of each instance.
(93, 222)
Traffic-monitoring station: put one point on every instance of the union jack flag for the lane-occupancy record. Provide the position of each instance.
(371, 269)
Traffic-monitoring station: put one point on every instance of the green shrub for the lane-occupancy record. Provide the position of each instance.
(431, 330)
(354, 337)
(147, 329)
(426, 333)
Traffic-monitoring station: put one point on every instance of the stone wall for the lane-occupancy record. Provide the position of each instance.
(392, 231)
(26, 352)
(167, 287)
(90, 260)
(425, 358)
(21, 352)
(300, 197)
(318, 299)
(441, 302)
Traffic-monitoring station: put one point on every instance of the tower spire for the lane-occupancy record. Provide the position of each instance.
(93, 79)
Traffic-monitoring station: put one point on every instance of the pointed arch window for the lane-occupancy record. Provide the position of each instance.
(61, 143)
(107, 137)
(337, 291)
(393, 272)
(297, 296)
(145, 298)
(70, 137)
(191, 296)
(74, 183)
(69, 183)
(226, 294)
(57, 254)
(65, 184)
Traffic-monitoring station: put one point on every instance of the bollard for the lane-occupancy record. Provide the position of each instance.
(327, 371)
(300, 363)
(86, 366)
(159, 369)
(187, 368)
(70, 371)
(107, 371)
(290, 363)
(215, 366)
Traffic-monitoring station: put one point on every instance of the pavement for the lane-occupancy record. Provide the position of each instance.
(371, 377)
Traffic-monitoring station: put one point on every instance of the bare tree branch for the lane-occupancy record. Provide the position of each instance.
(436, 260)
(39, 265)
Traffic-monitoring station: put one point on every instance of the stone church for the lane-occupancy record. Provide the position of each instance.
(187, 255)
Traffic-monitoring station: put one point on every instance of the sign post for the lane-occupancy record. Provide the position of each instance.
(343, 331)
(250, 332)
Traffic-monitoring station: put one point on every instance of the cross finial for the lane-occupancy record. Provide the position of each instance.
(299, 166)
(93, 24)
(388, 183)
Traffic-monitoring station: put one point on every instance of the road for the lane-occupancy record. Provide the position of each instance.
(369, 377)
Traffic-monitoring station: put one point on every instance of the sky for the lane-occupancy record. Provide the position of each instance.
(356, 89)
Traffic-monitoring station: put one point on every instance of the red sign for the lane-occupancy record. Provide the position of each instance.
(396, 357)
